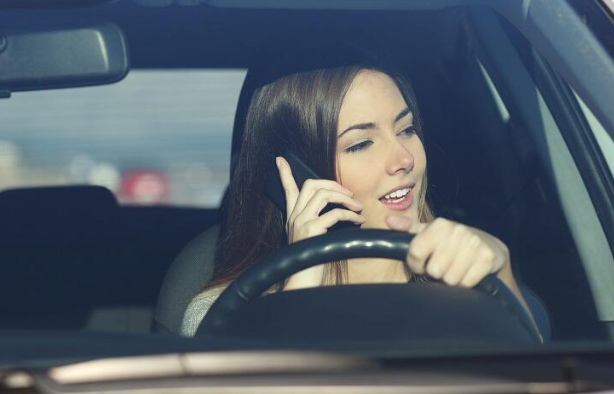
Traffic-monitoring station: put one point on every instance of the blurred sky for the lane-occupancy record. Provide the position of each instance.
(151, 118)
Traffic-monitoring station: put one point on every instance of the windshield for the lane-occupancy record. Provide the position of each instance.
(132, 156)
(129, 208)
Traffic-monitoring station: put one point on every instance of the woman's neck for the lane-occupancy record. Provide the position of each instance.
(376, 271)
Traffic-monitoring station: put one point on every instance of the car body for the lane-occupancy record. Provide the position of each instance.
(516, 98)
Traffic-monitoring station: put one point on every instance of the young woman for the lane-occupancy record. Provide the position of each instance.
(357, 124)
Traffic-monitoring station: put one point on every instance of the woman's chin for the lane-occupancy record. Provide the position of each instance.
(380, 222)
(375, 225)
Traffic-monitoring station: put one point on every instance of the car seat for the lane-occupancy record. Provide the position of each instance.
(193, 267)
(61, 256)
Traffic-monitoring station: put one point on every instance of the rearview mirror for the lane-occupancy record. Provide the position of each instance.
(48, 58)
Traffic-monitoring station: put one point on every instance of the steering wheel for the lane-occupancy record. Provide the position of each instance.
(334, 246)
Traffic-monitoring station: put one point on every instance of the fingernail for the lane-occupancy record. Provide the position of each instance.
(359, 219)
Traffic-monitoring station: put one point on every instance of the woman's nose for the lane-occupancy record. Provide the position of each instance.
(400, 159)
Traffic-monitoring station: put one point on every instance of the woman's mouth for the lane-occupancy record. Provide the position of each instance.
(400, 199)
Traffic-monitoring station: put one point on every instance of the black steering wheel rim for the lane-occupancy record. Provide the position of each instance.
(339, 245)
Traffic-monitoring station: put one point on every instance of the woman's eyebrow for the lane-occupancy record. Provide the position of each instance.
(402, 114)
(370, 125)
(360, 126)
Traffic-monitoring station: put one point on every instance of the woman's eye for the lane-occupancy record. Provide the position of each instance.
(411, 130)
(359, 146)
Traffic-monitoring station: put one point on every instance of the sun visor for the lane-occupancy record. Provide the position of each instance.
(61, 57)
(319, 4)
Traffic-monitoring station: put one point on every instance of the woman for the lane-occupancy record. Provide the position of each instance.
(355, 121)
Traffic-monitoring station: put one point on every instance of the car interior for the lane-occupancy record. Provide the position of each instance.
(74, 258)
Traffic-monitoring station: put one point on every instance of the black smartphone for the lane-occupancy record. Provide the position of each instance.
(301, 172)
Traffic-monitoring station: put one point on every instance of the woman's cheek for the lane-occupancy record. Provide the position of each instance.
(348, 172)
(359, 178)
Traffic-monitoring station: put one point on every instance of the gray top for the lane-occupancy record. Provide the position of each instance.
(197, 309)
(191, 270)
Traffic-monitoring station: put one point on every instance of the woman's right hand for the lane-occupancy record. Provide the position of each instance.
(303, 212)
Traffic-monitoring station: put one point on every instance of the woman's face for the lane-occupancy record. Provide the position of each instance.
(379, 155)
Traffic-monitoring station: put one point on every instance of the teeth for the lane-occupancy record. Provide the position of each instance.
(397, 193)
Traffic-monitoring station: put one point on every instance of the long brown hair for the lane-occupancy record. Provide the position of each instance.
(296, 108)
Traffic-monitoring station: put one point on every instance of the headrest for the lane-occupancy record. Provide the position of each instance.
(276, 61)
(58, 215)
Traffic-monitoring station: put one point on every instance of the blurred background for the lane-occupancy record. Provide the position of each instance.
(157, 137)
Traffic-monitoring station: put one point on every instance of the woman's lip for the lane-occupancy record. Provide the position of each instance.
(401, 205)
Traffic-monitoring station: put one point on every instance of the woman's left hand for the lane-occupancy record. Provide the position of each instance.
(456, 254)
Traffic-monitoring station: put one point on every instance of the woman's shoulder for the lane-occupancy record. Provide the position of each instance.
(197, 309)
(200, 305)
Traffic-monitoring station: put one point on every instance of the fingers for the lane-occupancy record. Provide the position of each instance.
(424, 244)
(466, 257)
(456, 254)
(304, 205)
(322, 197)
(291, 190)
(312, 186)
(475, 274)
(441, 259)
(337, 215)
(320, 224)
(296, 198)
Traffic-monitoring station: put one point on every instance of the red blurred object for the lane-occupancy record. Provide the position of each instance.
(145, 187)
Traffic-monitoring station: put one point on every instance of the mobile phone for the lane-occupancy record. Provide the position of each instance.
(301, 172)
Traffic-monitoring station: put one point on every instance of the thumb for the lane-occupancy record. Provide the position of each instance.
(399, 222)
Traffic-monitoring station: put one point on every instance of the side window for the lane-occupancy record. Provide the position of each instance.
(157, 137)
(571, 264)
(503, 112)
(605, 141)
